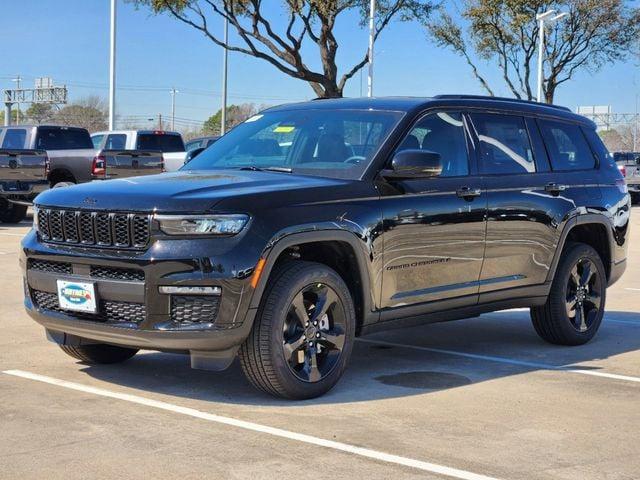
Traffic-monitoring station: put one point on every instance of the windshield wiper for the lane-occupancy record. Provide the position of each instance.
(253, 168)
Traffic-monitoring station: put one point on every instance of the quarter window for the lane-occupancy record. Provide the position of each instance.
(505, 147)
(443, 133)
(566, 145)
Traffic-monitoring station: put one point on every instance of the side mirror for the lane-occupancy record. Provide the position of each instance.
(193, 153)
(408, 164)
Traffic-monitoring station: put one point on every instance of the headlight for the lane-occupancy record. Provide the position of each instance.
(202, 224)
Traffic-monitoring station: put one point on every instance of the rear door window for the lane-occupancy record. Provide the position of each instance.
(15, 138)
(63, 139)
(505, 146)
(116, 141)
(158, 141)
(568, 148)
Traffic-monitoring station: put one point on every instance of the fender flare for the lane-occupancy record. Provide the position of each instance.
(64, 170)
(272, 252)
(583, 219)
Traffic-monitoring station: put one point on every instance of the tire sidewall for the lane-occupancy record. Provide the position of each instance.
(280, 298)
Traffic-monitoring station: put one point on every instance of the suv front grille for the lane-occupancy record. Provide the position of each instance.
(187, 309)
(96, 271)
(113, 273)
(52, 267)
(100, 229)
(108, 311)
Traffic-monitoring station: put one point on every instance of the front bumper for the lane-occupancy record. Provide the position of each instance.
(132, 311)
(22, 192)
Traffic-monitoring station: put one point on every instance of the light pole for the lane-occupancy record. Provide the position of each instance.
(223, 117)
(372, 13)
(173, 108)
(112, 67)
(18, 81)
(548, 16)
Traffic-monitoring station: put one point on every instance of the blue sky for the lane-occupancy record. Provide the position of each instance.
(69, 40)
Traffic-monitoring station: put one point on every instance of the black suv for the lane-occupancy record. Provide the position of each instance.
(313, 223)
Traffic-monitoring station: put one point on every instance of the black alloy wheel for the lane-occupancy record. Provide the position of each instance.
(314, 332)
(584, 294)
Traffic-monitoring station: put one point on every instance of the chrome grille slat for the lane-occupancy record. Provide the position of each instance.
(89, 228)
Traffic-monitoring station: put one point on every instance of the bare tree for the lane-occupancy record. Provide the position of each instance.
(595, 32)
(619, 139)
(89, 113)
(306, 21)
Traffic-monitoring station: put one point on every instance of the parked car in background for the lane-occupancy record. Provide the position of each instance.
(322, 221)
(629, 164)
(169, 143)
(35, 157)
(201, 142)
(22, 176)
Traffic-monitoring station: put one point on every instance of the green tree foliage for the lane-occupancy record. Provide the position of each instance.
(235, 114)
(305, 23)
(505, 32)
(14, 116)
(39, 113)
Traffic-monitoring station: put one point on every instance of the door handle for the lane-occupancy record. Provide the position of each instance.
(468, 193)
(554, 188)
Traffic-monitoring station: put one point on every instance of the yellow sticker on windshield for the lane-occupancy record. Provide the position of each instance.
(284, 129)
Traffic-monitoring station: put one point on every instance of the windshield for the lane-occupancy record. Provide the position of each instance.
(327, 143)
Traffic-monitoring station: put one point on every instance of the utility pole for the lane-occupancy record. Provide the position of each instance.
(173, 108)
(112, 67)
(541, 18)
(635, 126)
(223, 118)
(372, 13)
(18, 81)
(159, 121)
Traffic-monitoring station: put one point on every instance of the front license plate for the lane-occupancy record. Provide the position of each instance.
(77, 296)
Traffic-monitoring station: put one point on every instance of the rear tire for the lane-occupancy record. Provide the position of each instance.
(635, 198)
(11, 212)
(303, 334)
(63, 184)
(575, 306)
(100, 353)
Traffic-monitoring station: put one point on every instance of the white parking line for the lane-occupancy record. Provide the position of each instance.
(277, 432)
(633, 289)
(521, 363)
(606, 320)
(13, 234)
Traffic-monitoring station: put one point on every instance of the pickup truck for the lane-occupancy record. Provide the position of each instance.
(22, 177)
(169, 143)
(629, 165)
(34, 158)
(69, 150)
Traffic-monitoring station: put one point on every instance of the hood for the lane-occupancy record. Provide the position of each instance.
(188, 191)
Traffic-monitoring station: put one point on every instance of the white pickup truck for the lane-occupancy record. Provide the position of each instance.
(169, 143)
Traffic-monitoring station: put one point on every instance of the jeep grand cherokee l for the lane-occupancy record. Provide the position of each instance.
(313, 223)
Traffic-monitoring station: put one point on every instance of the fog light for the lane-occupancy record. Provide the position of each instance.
(190, 290)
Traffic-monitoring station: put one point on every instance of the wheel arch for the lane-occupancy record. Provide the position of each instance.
(60, 174)
(314, 246)
(592, 229)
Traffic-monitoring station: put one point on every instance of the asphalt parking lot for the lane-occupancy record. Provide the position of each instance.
(473, 399)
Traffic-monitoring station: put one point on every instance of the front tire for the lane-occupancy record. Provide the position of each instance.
(575, 306)
(12, 212)
(303, 335)
(99, 353)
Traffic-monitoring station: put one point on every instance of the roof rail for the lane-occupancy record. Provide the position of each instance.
(501, 99)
